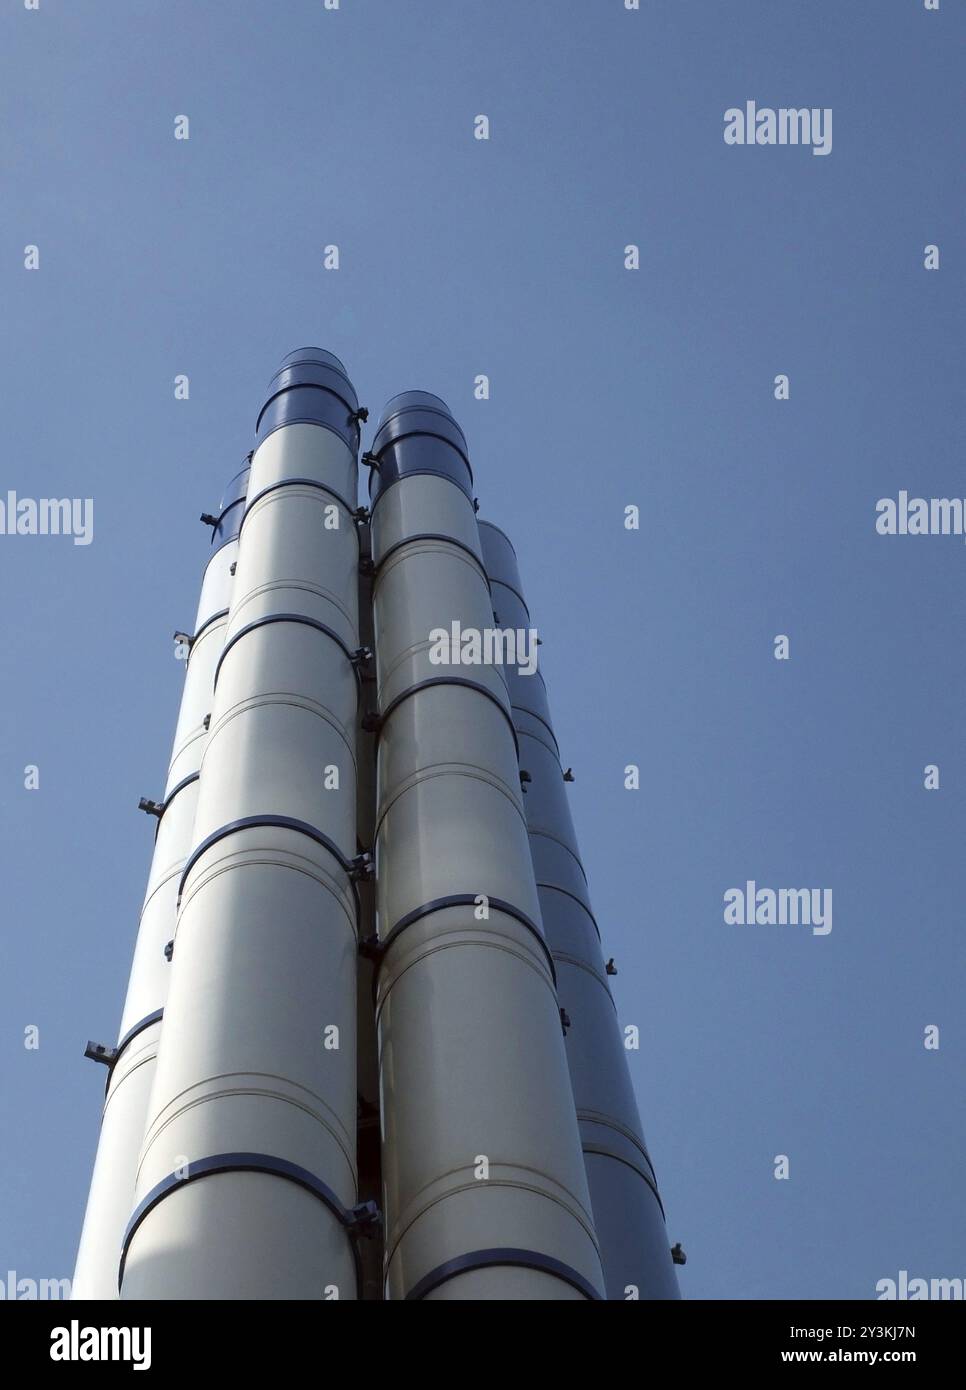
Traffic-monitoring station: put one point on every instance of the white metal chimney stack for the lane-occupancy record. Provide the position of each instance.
(132, 1061)
(485, 1191)
(326, 1035)
(628, 1214)
(247, 1179)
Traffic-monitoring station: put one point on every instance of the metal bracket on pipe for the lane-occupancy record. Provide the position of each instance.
(610, 967)
(185, 639)
(569, 775)
(364, 1220)
(370, 460)
(361, 514)
(678, 1255)
(372, 722)
(371, 948)
(361, 867)
(208, 519)
(361, 414)
(169, 950)
(564, 1021)
(158, 808)
(361, 656)
(99, 1052)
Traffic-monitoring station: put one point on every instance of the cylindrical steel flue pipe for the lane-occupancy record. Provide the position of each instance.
(132, 1067)
(247, 1179)
(485, 1190)
(628, 1214)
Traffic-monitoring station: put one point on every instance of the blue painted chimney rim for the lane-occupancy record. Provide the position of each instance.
(321, 371)
(425, 401)
(414, 400)
(420, 413)
(311, 355)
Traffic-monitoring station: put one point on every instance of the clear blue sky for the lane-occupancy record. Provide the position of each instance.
(609, 387)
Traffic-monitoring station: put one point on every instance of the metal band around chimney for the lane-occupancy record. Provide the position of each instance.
(505, 585)
(222, 613)
(528, 733)
(140, 1027)
(233, 1163)
(297, 482)
(598, 1149)
(450, 680)
(414, 473)
(547, 835)
(489, 1259)
(253, 823)
(220, 536)
(555, 887)
(185, 782)
(432, 536)
(284, 618)
(464, 900)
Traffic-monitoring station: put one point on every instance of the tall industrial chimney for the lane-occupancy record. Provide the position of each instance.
(132, 1061)
(485, 1191)
(628, 1214)
(369, 1049)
